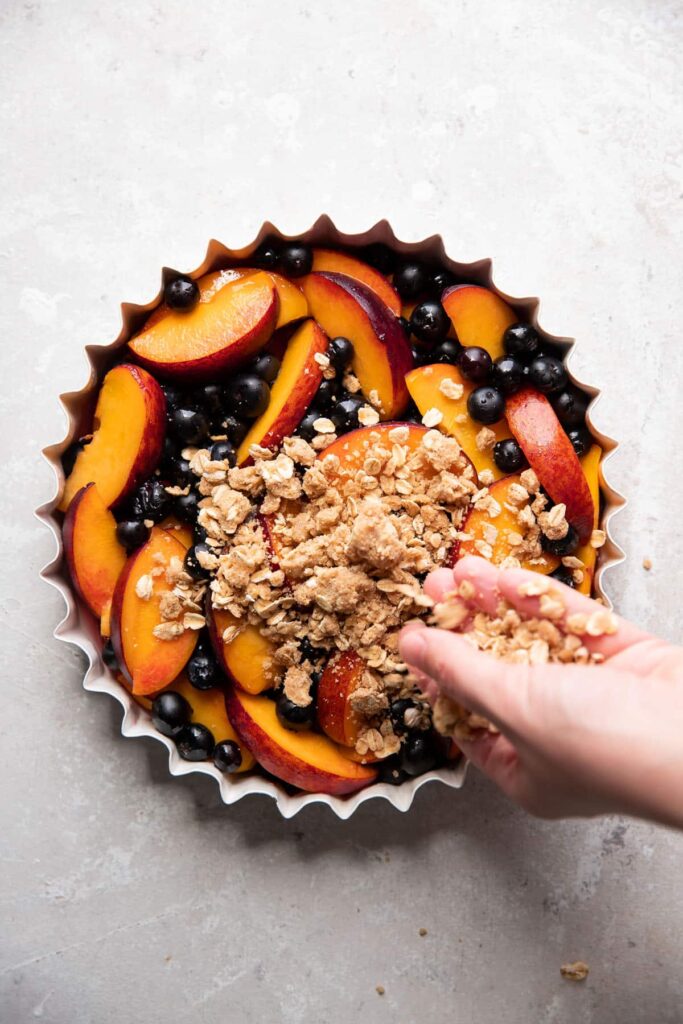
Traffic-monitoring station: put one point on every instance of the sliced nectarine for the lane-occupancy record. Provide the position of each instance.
(336, 716)
(148, 663)
(181, 531)
(291, 302)
(304, 759)
(342, 263)
(229, 323)
(248, 658)
(382, 354)
(550, 454)
(479, 316)
(478, 525)
(425, 384)
(292, 391)
(93, 553)
(352, 449)
(128, 432)
(208, 707)
(105, 620)
(590, 463)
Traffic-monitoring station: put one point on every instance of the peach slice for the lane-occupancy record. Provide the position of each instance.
(291, 302)
(148, 663)
(304, 759)
(477, 521)
(129, 426)
(424, 385)
(590, 464)
(336, 717)
(382, 354)
(479, 317)
(342, 263)
(248, 659)
(292, 391)
(231, 321)
(105, 620)
(352, 449)
(181, 531)
(550, 454)
(93, 553)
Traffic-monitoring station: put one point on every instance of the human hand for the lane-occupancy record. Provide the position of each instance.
(574, 739)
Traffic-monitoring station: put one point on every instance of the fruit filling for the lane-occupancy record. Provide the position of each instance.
(278, 458)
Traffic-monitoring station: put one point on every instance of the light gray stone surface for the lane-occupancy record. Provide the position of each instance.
(544, 134)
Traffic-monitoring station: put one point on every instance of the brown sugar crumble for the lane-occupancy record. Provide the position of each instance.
(547, 638)
(576, 971)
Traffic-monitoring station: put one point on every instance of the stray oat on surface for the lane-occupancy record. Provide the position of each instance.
(647, 564)
(576, 971)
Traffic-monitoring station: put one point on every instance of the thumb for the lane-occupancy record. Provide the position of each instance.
(482, 683)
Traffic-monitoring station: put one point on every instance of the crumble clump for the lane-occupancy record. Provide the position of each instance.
(537, 640)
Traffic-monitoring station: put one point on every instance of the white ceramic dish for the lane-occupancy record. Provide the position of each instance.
(78, 627)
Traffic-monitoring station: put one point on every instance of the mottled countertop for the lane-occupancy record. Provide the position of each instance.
(543, 134)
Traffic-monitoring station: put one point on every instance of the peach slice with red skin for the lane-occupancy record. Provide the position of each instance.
(303, 759)
(424, 385)
(147, 662)
(247, 659)
(336, 716)
(93, 553)
(292, 391)
(590, 463)
(341, 263)
(130, 422)
(550, 454)
(230, 322)
(479, 317)
(477, 520)
(382, 357)
(292, 305)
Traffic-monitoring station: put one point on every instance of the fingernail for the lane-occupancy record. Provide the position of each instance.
(412, 646)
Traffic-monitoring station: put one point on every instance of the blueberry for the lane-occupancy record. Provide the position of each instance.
(209, 400)
(227, 756)
(567, 545)
(421, 356)
(379, 256)
(189, 425)
(192, 565)
(521, 340)
(199, 534)
(570, 407)
(340, 352)
(292, 716)
(296, 259)
(180, 473)
(172, 395)
(411, 414)
(202, 670)
(441, 280)
(185, 507)
(418, 753)
(405, 324)
(507, 374)
(390, 771)
(195, 742)
(306, 428)
(326, 395)
(345, 413)
(508, 456)
(430, 322)
(267, 256)
(449, 351)
(475, 363)
(235, 429)
(168, 453)
(222, 451)
(132, 533)
(249, 395)
(548, 374)
(170, 713)
(581, 440)
(266, 366)
(410, 279)
(564, 575)
(309, 652)
(397, 711)
(486, 405)
(150, 501)
(181, 292)
(108, 656)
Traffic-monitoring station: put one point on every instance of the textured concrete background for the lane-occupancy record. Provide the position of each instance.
(544, 134)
